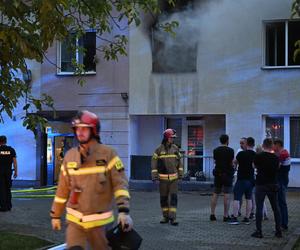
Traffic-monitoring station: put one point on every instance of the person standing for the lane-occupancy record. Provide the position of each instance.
(245, 181)
(223, 173)
(267, 165)
(8, 158)
(91, 175)
(167, 168)
(283, 180)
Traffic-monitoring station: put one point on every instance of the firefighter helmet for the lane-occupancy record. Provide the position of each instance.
(169, 133)
(87, 119)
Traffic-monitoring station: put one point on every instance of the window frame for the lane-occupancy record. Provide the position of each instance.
(70, 73)
(286, 132)
(286, 66)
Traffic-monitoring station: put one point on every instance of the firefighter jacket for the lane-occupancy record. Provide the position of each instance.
(86, 188)
(166, 163)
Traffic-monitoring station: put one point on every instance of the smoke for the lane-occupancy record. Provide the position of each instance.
(177, 54)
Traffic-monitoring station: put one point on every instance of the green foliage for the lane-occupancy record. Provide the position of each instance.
(29, 27)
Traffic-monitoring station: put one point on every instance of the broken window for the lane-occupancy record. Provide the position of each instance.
(81, 50)
(280, 38)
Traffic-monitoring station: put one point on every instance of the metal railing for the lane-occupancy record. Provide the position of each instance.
(198, 168)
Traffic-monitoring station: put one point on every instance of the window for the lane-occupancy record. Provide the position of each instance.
(274, 127)
(295, 137)
(82, 50)
(286, 128)
(280, 38)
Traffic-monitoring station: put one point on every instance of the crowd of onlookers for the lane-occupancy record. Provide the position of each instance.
(254, 172)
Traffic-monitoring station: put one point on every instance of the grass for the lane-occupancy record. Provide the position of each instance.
(12, 241)
(297, 245)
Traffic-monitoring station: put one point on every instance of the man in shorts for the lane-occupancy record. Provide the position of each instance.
(223, 173)
(245, 181)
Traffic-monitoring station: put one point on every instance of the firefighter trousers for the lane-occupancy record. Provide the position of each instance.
(78, 236)
(168, 198)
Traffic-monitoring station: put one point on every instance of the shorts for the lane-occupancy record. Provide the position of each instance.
(223, 184)
(243, 187)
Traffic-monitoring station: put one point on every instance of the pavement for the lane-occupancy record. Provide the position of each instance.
(195, 231)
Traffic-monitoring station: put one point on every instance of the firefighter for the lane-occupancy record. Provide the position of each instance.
(91, 176)
(167, 168)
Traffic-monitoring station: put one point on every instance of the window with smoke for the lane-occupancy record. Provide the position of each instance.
(175, 54)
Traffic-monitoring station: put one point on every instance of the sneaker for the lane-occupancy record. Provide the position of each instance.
(252, 216)
(233, 221)
(278, 234)
(226, 219)
(246, 221)
(257, 234)
(212, 217)
(164, 220)
(173, 222)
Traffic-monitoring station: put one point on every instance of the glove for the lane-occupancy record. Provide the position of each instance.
(56, 224)
(125, 221)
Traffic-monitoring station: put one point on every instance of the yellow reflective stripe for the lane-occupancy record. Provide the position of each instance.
(71, 164)
(180, 169)
(121, 192)
(154, 170)
(113, 162)
(59, 199)
(62, 169)
(167, 156)
(84, 171)
(172, 209)
(89, 224)
(170, 177)
(165, 209)
(155, 156)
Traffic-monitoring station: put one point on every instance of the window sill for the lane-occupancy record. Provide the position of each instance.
(295, 160)
(280, 67)
(73, 74)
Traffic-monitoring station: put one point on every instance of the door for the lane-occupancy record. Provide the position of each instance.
(193, 138)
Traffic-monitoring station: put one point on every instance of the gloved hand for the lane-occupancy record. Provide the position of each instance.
(56, 224)
(125, 221)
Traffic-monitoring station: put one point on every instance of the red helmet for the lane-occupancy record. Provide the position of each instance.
(169, 133)
(87, 119)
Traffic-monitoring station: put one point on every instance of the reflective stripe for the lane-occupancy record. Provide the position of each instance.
(172, 209)
(62, 169)
(89, 218)
(167, 156)
(168, 176)
(121, 192)
(84, 171)
(180, 169)
(155, 156)
(165, 209)
(71, 164)
(113, 162)
(89, 224)
(154, 170)
(59, 200)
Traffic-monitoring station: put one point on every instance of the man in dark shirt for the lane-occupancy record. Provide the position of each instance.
(267, 165)
(223, 172)
(245, 181)
(7, 158)
(283, 180)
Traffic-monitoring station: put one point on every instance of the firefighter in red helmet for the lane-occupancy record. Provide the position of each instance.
(167, 168)
(91, 176)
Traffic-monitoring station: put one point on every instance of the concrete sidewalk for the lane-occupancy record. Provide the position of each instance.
(195, 231)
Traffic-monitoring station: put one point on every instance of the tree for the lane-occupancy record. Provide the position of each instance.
(296, 14)
(29, 27)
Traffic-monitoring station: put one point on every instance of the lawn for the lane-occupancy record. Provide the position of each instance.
(14, 241)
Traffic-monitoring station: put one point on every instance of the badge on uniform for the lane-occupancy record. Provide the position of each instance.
(119, 165)
(100, 162)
